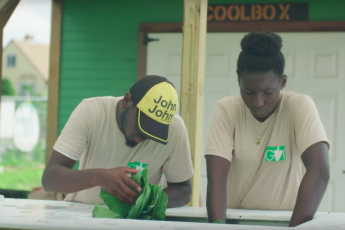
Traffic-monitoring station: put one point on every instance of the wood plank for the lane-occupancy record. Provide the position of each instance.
(1, 37)
(302, 26)
(87, 45)
(54, 76)
(6, 10)
(95, 64)
(192, 82)
(142, 56)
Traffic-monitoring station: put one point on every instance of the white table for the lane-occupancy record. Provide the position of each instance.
(42, 214)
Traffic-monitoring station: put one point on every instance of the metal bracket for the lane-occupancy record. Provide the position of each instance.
(147, 39)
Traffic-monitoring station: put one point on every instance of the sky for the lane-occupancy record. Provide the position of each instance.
(31, 17)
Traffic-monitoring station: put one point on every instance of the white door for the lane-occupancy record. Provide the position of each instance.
(315, 65)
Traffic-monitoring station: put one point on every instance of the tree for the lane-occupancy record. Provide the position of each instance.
(7, 89)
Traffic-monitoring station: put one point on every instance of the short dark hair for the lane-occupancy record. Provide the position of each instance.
(261, 53)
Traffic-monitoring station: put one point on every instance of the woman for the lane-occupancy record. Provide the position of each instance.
(267, 148)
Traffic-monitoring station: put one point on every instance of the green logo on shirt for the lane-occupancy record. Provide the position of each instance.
(137, 165)
(274, 154)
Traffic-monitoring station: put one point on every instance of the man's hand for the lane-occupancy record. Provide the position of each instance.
(59, 177)
(116, 182)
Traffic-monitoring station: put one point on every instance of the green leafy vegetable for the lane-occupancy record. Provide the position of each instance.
(160, 207)
(140, 204)
(150, 205)
(102, 212)
(218, 222)
(137, 178)
(115, 204)
(153, 199)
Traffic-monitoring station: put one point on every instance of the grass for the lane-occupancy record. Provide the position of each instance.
(22, 177)
(23, 171)
(20, 170)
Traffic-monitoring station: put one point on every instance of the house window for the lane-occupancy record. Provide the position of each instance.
(11, 61)
(27, 89)
(22, 89)
(33, 88)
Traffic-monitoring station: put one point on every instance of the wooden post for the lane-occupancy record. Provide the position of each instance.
(1, 37)
(54, 76)
(192, 82)
(6, 9)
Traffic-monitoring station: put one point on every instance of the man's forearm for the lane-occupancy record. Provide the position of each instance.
(178, 195)
(311, 191)
(64, 180)
(216, 202)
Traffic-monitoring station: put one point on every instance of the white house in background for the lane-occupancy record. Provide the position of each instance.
(26, 64)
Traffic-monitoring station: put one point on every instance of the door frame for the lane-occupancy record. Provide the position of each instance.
(223, 27)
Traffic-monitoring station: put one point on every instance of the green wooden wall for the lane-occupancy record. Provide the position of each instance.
(100, 38)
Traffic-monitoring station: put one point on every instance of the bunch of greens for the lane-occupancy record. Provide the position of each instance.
(150, 205)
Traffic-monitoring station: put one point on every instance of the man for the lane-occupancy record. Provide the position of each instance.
(107, 134)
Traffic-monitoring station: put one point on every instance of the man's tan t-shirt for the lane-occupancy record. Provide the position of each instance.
(93, 136)
(268, 175)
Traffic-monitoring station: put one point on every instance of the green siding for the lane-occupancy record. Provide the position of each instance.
(100, 38)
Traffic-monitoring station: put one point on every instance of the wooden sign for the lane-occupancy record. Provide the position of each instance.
(258, 12)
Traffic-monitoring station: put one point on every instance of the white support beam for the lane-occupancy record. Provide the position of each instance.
(192, 82)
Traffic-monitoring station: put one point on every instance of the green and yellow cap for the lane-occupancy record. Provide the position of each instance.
(157, 102)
